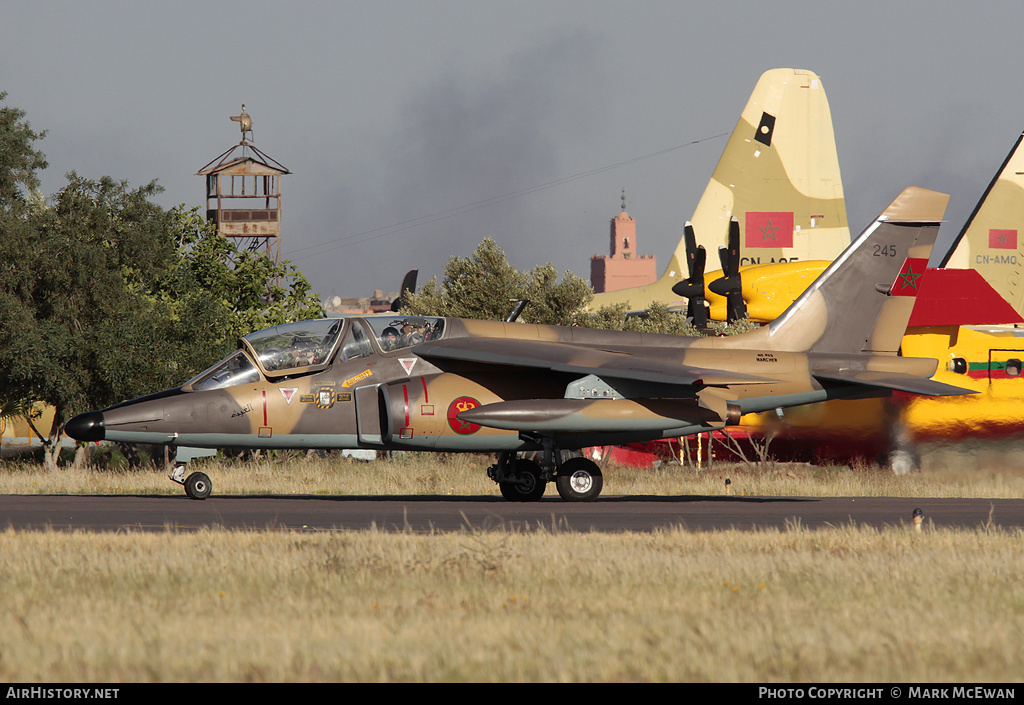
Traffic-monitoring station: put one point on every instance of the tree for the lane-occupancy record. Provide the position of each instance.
(485, 286)
(19, 160)
(74, 335)
(105, 296)
(240, 288)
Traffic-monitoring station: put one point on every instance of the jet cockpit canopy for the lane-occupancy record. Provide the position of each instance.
(295, 348)
(305, 347)
(281, 351)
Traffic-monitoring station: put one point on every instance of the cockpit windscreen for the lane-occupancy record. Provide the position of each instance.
(234, 369)
(296, 345)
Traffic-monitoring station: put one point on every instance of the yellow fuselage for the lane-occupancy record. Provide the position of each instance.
(986, 360)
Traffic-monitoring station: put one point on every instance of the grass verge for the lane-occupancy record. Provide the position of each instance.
(945, 473)
(847, 605)
(850, 604)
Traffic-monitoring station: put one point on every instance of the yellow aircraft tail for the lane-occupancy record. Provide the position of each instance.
(991, 241)
(778, 176)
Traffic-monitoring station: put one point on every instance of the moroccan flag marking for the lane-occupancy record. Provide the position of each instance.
(457, 407)
(769, 229)
(908, 281)
(1002, 239)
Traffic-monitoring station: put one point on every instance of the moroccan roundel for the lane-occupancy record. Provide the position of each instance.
(461, 404)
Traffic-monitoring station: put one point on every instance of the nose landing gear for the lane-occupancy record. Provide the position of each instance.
(197, 485)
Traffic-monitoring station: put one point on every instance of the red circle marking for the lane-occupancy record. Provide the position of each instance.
(461, 404)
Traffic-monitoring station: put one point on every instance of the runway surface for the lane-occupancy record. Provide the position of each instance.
(447, 513)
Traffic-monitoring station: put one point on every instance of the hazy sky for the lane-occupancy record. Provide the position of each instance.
(415, 128)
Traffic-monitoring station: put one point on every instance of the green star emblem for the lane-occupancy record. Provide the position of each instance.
(909, 278)
(769, 231)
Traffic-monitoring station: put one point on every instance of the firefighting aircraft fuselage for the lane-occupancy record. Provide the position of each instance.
(444, 384)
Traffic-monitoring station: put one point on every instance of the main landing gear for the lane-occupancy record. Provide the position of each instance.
(197, 485)
(577, 479)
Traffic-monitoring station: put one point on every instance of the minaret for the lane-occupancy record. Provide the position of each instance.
(623, 267)
(623, 233)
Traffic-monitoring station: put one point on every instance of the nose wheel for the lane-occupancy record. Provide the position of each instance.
(197, 485)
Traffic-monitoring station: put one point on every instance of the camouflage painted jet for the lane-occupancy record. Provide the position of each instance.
(442, 384)
(778, 179)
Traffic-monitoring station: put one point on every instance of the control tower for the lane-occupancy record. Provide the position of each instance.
(243, 194)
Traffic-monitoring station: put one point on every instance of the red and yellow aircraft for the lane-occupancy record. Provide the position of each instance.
(779, 179)
(966, 315)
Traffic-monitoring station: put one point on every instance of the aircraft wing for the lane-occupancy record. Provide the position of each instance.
(894, 381)
(639, 364)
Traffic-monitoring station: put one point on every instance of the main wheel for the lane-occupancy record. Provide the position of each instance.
(579, 480)
(526, 486)
(198, 486)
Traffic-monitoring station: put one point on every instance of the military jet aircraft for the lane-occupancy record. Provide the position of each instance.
(445, 384)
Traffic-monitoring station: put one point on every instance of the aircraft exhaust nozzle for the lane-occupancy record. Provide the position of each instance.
(86, 427)
(733, 414)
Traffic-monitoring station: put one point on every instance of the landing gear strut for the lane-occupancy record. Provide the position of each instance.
(197, 485)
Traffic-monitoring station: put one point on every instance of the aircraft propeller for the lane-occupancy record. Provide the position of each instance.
(692, 288)
(408, 284)
(730, 286)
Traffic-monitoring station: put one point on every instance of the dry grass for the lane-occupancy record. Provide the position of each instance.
(993, 473)
(846, 605)
(842, 605)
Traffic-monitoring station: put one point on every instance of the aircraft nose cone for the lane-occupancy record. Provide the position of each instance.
(86, 427)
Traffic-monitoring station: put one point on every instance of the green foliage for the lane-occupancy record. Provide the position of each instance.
(105, 296)
(19, 161)
(486, 286)
(242, 290)
(62, 295)
(657, 318)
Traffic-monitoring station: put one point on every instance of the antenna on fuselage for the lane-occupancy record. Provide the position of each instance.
(517, 309)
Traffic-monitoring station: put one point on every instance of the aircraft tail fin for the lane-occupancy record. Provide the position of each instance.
(863, 300)
(778, 176)
(991, 240)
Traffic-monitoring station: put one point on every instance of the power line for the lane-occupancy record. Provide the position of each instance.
(367, 235)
